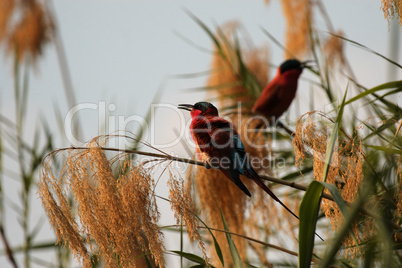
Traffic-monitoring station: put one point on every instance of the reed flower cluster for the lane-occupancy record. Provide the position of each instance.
(298, 16)
(392, 9)
(107, 206)
(345, 172)
(29, 34)
(227, 76)
(93, 211)
(183, 209)
(334, 49)
(398, 192)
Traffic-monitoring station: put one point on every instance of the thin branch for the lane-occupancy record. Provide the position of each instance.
(192, 162)
(256, 241)
(9, 253)
(165, 156)
(325, 16)
(248, 238)
(293, 185)
(205, 165)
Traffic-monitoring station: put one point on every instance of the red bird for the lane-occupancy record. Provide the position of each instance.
(219, 144)
(277, 96)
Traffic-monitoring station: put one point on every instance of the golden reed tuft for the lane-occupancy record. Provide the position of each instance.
(226, 68)
(392, 9)
(345, 172)
(116, 216)
(6, 12)
(333, 49)
(28, 36)
(182, 207)
(398, 192)
(216, 192)
(298, 15)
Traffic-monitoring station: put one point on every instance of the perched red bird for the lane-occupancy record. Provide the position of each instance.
(219, 144)
(277, 96)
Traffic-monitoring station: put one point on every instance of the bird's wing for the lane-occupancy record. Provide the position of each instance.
(200, 132)
(234, 177)
(268, 99)
(229, 149)
(225, 139)
(239, 155)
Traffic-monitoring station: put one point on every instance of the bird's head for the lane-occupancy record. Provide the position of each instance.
(200, 109)
(293, 65)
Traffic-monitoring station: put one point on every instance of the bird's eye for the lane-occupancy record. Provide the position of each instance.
(198, 107)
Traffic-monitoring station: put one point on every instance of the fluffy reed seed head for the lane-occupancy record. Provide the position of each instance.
(333, 49)
(398, 192)
(392, 9)
(298, 15)
(6, 11)
(182, 207)
(226, 68)
(216, 192)
(345, 172)
(27, 37)
(116, 217)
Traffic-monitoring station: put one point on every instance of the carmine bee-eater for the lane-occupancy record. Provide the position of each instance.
(277, 96)
(219, 144)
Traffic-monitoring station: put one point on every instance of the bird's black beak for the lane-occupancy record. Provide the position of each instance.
(307, 64)
(187, 107)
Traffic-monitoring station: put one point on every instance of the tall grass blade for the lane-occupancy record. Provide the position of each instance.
(248, 80)
(206, 29)
(332, 248)
(308, 213)
(388, 85)
(191, 257)
(311, 201)
(340, 202)
(216, 244)
(378, 132)
(333, 138)
(296, 174)
(148, 262)
(337, 196)
(276, 42)
(237, 262)
(367, 49)
(386, 149)
(181, 241)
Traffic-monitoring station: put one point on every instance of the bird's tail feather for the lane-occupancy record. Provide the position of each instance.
(260, 183)
(237, 181)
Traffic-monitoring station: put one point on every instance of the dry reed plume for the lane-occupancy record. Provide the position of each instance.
(182, 206)
(115, 204)
(345, 172)
(392, 9)
(333, 49)
(398, 192)
(117, 217)
(298, 15)
(216, 192)
(226, 75)
(6, 11)
(28, 36)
